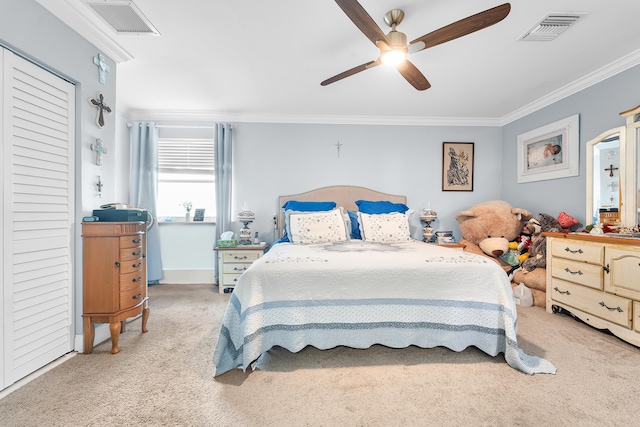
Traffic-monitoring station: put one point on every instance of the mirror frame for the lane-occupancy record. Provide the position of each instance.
(590, 169)
(632, 180)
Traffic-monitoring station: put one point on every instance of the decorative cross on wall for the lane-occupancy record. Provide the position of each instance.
(611, 169)
(98, 102)
(100, 150)
(103, 68)
(338, 145)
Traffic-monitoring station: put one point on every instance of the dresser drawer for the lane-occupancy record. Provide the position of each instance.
(130, 241)
(130, 265)
(130, 253)
(236, 268)
(577, 251)
(237, 256)
(230, 279)
(606, 306)
(130, 297)
(130, 280)
(578, 272)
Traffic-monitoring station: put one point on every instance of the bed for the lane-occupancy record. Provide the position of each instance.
(383, 288)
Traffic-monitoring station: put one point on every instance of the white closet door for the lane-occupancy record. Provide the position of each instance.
(37, 220)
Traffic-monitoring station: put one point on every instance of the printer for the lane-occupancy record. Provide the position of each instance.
(121, 215)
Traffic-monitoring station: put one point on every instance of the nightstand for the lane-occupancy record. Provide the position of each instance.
(232, 262)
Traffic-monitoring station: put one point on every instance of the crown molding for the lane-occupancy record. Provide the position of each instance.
(81, 20)
(601, 74)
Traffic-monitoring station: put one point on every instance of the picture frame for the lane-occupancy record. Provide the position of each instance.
(198, 215)
(457, 166)
(549, 152)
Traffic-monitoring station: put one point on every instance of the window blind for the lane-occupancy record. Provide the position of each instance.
(186, 155)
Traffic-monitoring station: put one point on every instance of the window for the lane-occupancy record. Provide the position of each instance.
(186, 174)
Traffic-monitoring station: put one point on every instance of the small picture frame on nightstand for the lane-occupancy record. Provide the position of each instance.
(199, 215)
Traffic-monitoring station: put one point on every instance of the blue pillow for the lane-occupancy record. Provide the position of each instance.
(380, 207)
(355, 227)
(294, 205)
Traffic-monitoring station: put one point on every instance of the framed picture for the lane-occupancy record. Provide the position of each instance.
(199, 215)
(549, 152)
(457, 166)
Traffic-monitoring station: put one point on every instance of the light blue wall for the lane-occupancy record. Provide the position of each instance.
(599, 107)
(280, 159)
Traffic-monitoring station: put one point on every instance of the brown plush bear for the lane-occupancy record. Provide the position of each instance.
(488, 227)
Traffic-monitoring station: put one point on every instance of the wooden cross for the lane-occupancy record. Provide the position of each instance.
(338, 145)
(103, 68)
(611, 169)
(100, 150)
(98, 102)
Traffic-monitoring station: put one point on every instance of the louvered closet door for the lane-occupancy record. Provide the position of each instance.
(37, 220)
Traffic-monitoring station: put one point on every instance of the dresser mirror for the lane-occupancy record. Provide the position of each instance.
(613, 175)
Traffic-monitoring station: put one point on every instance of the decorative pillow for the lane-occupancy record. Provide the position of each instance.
(355, 226)
(316, 227)
(295, 205)
(380, 207)
(385, 228)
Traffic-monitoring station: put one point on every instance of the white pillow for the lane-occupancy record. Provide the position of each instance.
(384, 228)
(316, 227)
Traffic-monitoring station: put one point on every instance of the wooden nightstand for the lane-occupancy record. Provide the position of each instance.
(232, 262)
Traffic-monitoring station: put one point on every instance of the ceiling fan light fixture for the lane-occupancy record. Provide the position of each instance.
(394, 56)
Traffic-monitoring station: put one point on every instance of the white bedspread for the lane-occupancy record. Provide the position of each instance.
(358, 294)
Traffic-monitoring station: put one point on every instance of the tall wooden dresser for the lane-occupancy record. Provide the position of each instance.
(597, 279)
(114, 278)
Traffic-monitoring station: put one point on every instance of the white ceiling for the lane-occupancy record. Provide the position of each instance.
(256, 60)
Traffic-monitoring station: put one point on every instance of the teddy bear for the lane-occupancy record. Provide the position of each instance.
(488, 227)
(533, 271)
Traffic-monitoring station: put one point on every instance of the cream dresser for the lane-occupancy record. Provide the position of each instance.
(232, 262)
(597, 279)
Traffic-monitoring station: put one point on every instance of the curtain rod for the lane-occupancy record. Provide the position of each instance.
(178, 126)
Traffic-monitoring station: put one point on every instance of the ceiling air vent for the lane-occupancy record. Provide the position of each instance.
(123, 16)
(551, 26)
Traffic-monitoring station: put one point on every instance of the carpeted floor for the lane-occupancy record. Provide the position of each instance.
(164, 378)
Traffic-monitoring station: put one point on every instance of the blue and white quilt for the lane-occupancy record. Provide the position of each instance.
(358, 294)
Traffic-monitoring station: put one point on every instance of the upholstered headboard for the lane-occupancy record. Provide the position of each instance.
(343, 195)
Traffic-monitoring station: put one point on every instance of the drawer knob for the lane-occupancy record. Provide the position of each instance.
(137, 296)
(561, 292)
(136, 265)
(139, 279)
(136, 253)
(239, 257)
(136, 241)
(579, 251)
(117, 264)
(239, 269)
(573, 272)
(618, 309)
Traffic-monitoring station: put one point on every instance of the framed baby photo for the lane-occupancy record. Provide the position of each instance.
(549, 152)
(457, 166)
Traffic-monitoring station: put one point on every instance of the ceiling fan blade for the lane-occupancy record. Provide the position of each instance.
(413, 75)
(351, 72)
(461, 28)
(362, 20)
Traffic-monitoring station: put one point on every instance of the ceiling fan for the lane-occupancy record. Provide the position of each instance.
(393, 46)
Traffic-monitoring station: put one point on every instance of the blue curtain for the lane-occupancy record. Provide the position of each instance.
(143, 187)
(223, 170)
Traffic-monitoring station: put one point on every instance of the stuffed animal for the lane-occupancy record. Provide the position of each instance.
(488, 227)
(538, 248)
(566, 221)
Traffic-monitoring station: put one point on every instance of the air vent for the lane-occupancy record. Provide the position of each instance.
(551, 26)
(123, 16)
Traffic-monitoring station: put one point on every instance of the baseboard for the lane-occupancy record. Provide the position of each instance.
(189, 277)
